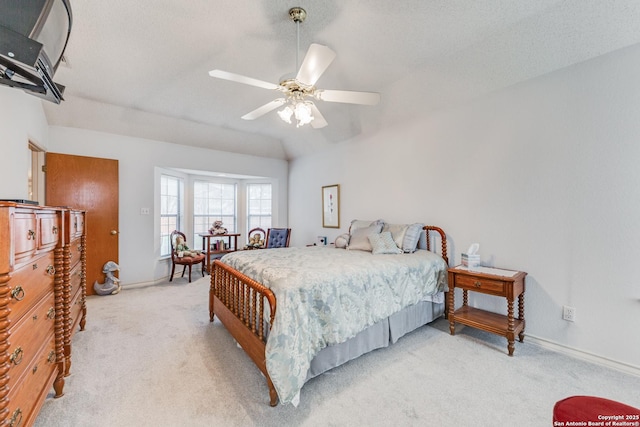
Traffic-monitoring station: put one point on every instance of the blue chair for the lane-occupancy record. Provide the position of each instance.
(278, 238)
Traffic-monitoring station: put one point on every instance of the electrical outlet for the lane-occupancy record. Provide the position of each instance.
(145, 211)
(569, 313)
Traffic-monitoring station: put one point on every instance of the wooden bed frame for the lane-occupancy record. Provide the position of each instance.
(239, 302)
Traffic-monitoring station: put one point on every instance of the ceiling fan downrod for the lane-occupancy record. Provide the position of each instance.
(297, 15)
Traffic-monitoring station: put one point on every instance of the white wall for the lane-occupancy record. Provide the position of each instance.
(544, 175)
(21, 120)
(137, 158)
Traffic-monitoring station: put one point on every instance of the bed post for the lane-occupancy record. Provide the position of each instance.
(443, 240)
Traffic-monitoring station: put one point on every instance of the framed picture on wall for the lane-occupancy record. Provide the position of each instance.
(331, 206)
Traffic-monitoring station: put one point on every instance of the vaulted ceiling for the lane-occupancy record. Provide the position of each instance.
(140, 68)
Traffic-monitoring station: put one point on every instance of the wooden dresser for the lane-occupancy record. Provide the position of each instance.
(31, 309)
(74, 277)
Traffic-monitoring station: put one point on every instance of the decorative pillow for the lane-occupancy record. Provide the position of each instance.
(360, 238)
(397, 231)
(411, 237)
(383, 244)
(342, 241)
(359, 223)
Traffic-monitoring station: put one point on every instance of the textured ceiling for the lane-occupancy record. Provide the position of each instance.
(140, 68)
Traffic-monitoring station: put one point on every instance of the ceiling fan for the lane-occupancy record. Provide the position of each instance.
(300, 90)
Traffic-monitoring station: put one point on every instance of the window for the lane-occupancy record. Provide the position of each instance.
(171, 189)
(212, 201)
(258, 206)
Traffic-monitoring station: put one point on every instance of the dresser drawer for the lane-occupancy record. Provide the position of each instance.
(26, 337)
(77, 224)
(75, 280)
(27, 396)
(49, 230)
(24, 235)
(29, 283)
(478, 284)
(75, 248)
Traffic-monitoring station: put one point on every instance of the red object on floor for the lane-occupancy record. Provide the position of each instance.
(594, 411)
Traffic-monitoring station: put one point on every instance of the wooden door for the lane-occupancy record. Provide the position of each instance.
(89, 184)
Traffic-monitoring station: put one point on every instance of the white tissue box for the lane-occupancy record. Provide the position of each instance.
(471, 261)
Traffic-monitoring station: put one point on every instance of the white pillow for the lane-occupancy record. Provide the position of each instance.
(397, 231)
(383, 244)
(360, 238)
(359, 223)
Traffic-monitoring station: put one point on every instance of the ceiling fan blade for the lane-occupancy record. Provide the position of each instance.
(242, 79)
(261, 111)
(349, 97)
(315, 62)
(318, 119)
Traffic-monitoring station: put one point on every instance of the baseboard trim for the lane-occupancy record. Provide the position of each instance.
(584, 355)
(145, 284)
(160, 281)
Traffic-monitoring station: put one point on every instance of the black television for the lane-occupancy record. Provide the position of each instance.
(33, 37)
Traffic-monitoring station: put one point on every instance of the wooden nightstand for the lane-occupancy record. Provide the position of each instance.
(492, 281)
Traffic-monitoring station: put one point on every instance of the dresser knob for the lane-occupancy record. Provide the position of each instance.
(51, 313)
(31, 235)
(52, 357)
(54, 229)
(18, 293)
(477, 284)
(51, 270)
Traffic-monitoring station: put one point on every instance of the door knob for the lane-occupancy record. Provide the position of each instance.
(114, 232)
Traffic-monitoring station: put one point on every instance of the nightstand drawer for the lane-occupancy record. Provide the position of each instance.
(480, 284)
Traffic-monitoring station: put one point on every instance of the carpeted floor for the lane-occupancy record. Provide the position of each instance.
(150, 357)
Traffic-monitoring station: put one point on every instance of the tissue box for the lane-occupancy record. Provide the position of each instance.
(471, 261)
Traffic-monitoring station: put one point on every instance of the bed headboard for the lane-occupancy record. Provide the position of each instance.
(429, 238)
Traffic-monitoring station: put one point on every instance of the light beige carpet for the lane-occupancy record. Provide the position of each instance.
(150, 357)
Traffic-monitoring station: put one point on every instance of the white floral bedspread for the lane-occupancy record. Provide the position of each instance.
(326, 296)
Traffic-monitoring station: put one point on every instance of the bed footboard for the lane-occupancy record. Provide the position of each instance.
(239, 303)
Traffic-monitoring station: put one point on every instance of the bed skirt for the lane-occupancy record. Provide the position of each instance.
(378, 335)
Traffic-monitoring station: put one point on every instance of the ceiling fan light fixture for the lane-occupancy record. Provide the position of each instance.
(303, 114)
(301, 110)
(285, 114)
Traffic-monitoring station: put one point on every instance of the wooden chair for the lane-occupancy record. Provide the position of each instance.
(253, 233)
(277, 238)
(185, 261)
